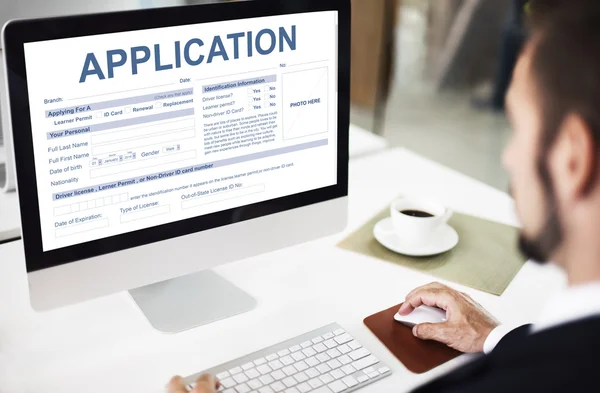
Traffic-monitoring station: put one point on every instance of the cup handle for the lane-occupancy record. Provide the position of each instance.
(448, 215)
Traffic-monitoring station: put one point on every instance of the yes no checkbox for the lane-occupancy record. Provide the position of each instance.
(158, 105)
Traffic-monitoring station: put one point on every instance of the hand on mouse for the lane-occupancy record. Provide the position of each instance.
(467, 324)
(204, 384)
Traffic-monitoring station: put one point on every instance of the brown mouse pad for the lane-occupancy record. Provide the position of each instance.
(418, 356)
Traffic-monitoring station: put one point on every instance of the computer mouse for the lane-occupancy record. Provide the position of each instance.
(422, 314)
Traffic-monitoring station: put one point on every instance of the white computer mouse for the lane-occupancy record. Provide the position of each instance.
(423, 314)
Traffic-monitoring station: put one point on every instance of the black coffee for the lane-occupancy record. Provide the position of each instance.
(416, 213)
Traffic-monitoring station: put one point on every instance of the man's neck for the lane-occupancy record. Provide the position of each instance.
(581, 252)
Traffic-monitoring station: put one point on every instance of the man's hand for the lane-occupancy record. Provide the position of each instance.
(467, 324)
(204, 384)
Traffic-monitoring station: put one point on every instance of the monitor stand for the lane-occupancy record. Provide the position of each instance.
(190, 301)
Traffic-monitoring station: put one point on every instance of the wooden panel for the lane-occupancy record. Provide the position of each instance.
(370, 62)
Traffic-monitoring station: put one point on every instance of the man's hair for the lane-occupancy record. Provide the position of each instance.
(566, 64)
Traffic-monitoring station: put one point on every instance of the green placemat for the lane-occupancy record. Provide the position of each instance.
(486, 258)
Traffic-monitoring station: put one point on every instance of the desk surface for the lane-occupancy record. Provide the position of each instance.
(105, 345)
(362, 143)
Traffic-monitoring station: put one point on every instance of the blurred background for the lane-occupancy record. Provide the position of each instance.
(428, 75)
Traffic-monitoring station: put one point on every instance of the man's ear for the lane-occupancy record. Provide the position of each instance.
(573, 159)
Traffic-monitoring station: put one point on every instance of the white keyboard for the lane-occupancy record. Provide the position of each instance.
(327, 360)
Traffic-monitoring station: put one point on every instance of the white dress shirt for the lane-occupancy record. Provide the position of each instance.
(572, 304)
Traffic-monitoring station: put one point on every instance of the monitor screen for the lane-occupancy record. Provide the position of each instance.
(137, 129)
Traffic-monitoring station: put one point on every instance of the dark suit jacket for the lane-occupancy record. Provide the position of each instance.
(561, 359)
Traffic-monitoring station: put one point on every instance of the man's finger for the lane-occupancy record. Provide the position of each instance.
(429, 297)
(432, 331)
(176, 385)
(206, 384)
(407, 308)
(431, 285)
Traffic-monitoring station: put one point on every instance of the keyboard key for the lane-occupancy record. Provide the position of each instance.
(323, 357)
(301, 365)
(306, 344)
(235, 370)
(359, 353)
(317, 340)
(327, 336)
(283, 352)
(369, 370)
(260, 361)
(298, 356)
(292, 390)
(343, 339)
(271, 357)
(334, 364)
(330, 343)
(315, 383)
(266, 379)
(338, 332)
(344, 349)
(354, 344)
(312, 372)
(231, 390)
(301, 377)
(287, 360)
(338, 374)
(383, 370)
(240, 378)
(350, 381)
(289, 382)
(277, 375)
(278, 387)
(295, 348)
(323, 368)
(365, 362)
(243, 388)
(304, 387)
(333, 353)
(337, 386)
(276, 365)
(247, 366)
(362, 378)
(308, 352)
(320, 348)
(312, 361)
(372, 375)
(289, 370)
(251, 374)
(266, 389)
(228, 383)
(223, 375)
(344, 359)
(264, 369)
(348, 369)
(326, 378)
(255, 384)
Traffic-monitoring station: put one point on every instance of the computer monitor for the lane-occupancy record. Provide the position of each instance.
(154, 144)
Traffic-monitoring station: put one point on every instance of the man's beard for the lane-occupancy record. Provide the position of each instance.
(541, 248)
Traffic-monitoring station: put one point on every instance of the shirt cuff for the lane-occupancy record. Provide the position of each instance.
(496, 336)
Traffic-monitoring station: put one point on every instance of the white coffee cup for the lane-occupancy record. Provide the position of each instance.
(418, 231)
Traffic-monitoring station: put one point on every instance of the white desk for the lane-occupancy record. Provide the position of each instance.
(106, 345)
(10, 219)
(362, 143)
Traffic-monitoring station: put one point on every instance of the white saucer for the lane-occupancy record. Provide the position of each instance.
(445, 239)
